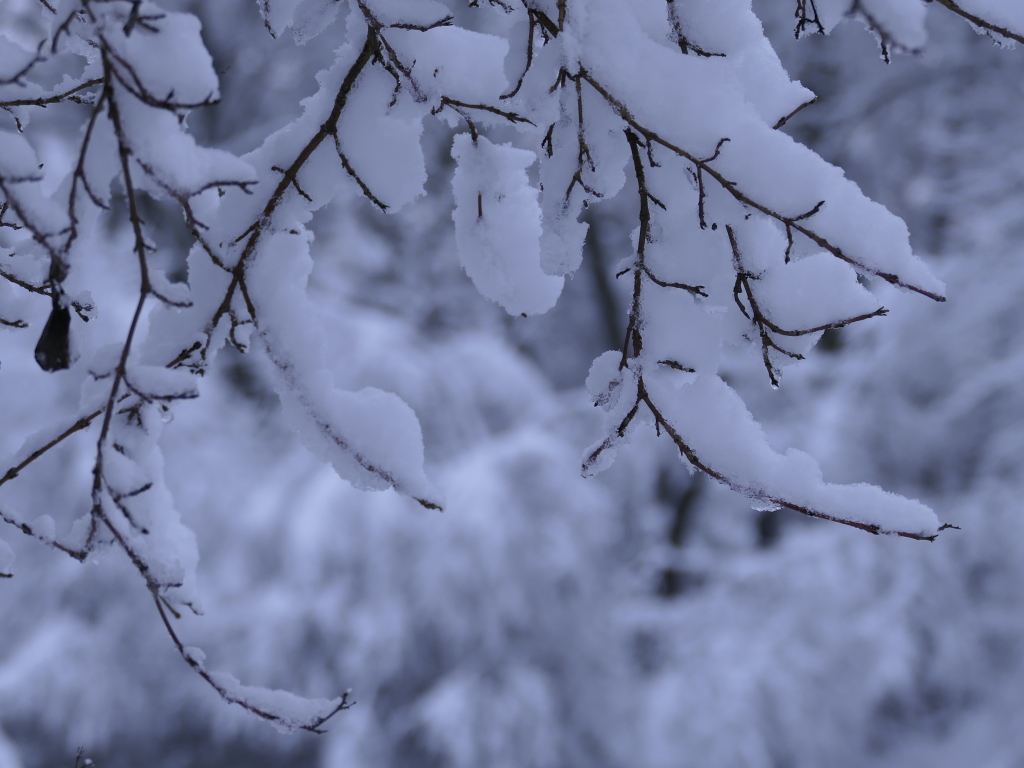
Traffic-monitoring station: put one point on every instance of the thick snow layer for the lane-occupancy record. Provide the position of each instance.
(498, 226)
(370, 437)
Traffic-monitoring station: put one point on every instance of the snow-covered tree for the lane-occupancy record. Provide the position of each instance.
(665, 112)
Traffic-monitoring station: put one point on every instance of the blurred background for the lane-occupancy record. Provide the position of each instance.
(645, 618)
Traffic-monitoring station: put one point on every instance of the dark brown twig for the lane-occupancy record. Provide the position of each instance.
(684, 43)
(765, 327)
(643, 397)
(981, 23)
(44, 101)
(887, 42)
(807, 17)
(791, 115)
(315, 726)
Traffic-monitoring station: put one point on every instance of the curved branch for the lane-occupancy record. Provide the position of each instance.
(38, 58)
(44, 101)
(288, 179)
(661, 423)
(705, 167)
(28, 530)
(977, 21)
(191, 658)
(512, 117)
(755, 493)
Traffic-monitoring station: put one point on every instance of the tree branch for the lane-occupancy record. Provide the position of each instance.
(977, 21)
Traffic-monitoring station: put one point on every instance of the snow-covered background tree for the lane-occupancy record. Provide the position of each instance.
(183, 183)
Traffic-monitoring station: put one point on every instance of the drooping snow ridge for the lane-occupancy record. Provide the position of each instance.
(291, 713)
(370, 437)
(723, 435)
(498, 227)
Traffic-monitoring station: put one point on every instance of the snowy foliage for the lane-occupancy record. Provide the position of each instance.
(666, 112)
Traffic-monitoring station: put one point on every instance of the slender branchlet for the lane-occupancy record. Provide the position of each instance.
(990, 27)
(887, 41)
(807, 21)
(686, 45)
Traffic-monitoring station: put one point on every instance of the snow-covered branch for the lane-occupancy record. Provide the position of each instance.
(743, 235)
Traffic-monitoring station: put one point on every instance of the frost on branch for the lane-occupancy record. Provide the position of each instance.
(743, 236)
